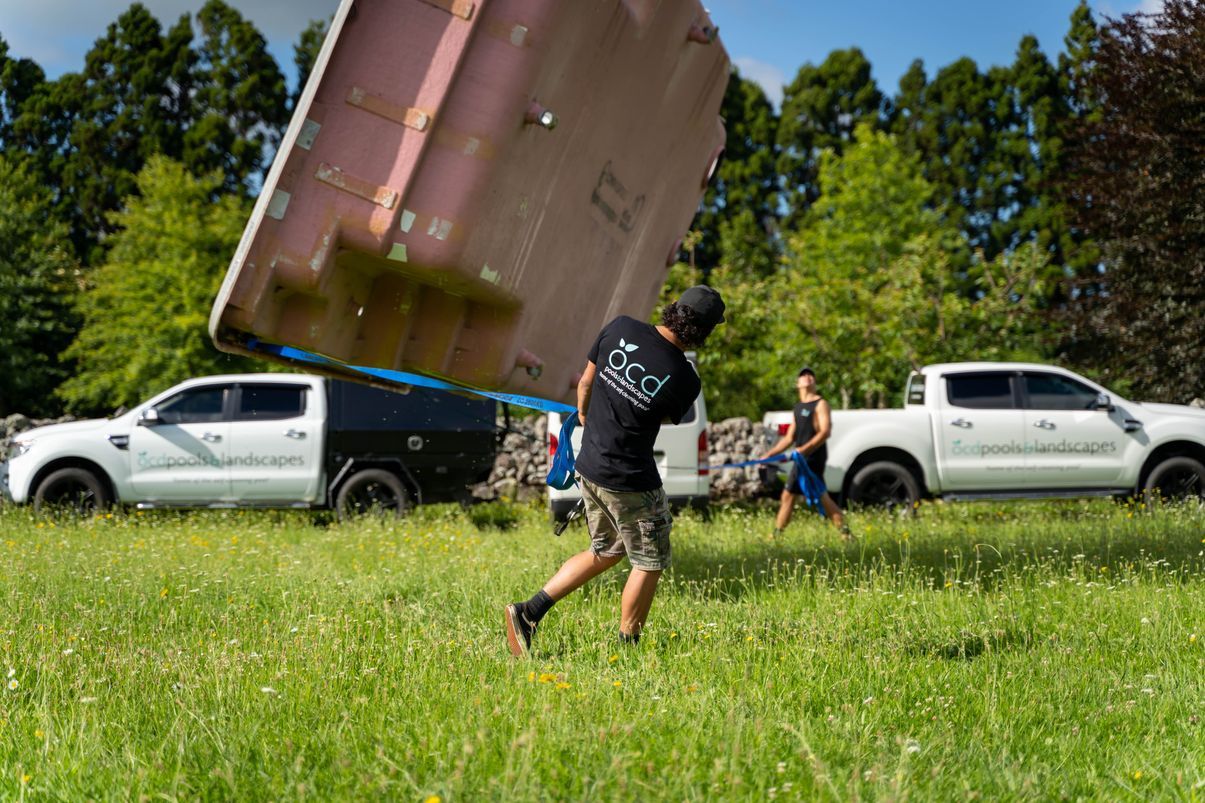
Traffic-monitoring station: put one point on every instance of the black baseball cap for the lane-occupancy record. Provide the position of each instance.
(706, 302)
(807, 369)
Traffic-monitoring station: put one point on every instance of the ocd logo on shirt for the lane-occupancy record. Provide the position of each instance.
(618, 360)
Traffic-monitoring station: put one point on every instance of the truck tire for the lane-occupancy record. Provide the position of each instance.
(884, 484)
(372, 492)
(1174, 479)
(74, 490)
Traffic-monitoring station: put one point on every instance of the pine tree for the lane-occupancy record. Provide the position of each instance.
(241, 105)
(821, 108)
(38, 277)
(741, 199)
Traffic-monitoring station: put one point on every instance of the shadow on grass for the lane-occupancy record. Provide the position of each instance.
(966, 646)
(1099, 551)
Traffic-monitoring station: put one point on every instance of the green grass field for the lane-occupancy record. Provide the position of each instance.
(971, 651)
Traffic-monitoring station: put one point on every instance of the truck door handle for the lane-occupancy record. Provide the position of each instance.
(211, 437)
(961, 422)
(296, 434)
(1044, 424)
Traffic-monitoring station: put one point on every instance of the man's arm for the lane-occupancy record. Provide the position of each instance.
(584, 386)
(783, 442)
(824, 428)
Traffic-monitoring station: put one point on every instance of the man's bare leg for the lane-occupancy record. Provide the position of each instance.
(785, 507)
(835, 515)
(576, 572)
(637, 600)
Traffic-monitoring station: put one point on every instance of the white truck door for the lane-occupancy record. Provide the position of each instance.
(181, 459)
(677, 451)
(980, 426)
(1071, 444)
(275, 443)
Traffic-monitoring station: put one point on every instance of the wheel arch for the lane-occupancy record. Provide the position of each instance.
(1178, 448)
(74, 462)
(355, 465)
(886, 453)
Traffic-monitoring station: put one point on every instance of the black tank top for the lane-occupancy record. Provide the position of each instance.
(805, 428)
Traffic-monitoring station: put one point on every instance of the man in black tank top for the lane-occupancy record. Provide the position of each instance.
(809, 429)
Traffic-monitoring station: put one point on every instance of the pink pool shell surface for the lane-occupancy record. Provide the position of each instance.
(470, 190)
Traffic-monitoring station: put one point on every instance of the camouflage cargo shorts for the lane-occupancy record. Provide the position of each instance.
(636, 523)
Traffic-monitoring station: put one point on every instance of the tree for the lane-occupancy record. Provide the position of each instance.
(1138, 182)
(38, 276)
(305, 53)
(741, 198)
(118, 118)
(146, 309)
(18, 80)
(868, 293)
(241, 104)
(821, 108)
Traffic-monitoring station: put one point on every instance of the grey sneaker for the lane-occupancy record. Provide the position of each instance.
(518, 630)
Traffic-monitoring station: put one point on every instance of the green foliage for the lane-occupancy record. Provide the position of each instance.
(846, 305)
(241, 105)
(742, 197)
(868, 293)
(18, 79)
(105, 123)
(821, 108)
(499, 515)
(146, 309)
(1138, 171)
(218, 104)
(38, 277)
(305, 52)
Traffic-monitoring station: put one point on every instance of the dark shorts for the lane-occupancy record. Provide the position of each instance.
(635, 523)
(816, 464)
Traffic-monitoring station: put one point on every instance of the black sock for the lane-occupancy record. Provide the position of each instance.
(629, 638)
(537, 606)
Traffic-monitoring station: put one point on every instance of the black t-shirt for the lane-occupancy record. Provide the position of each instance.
(641, 379)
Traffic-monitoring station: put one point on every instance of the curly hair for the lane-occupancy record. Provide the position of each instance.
(684, 322)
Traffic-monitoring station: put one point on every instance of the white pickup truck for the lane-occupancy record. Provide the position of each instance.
(1011, 430)
(261, 440)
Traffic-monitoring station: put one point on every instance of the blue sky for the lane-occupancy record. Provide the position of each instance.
(767, 39)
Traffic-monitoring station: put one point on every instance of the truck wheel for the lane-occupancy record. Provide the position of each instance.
(73, 490)
(1175, 479)
(884, 484)
(372, 492)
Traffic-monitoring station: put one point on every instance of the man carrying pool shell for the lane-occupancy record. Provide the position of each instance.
(636, 377)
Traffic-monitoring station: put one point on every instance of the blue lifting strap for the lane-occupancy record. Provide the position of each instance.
(560, 476)
(811, 486)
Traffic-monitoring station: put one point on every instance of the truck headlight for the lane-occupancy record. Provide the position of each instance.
(18, 448)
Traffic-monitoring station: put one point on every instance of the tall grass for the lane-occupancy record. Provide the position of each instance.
(969, 651)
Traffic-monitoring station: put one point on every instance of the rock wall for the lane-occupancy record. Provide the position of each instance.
(16, 423)
(522, 463)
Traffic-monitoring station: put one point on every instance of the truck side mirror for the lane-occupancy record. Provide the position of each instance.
(149, 418)
(1103, 402)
